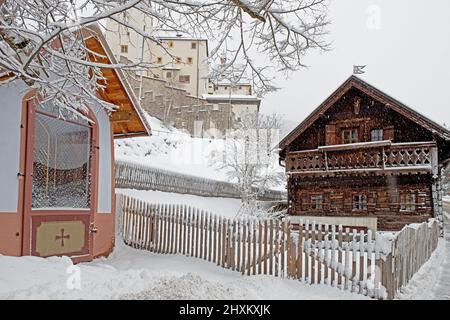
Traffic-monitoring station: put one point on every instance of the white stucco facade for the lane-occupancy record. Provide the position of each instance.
(180, 60)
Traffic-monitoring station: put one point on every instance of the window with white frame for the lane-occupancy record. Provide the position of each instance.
(350, 136)
(360, 202)
(124, 48)
(377, 135)
(408, 201)
(317, 202)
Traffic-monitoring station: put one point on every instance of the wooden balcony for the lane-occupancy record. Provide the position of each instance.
(381, 157)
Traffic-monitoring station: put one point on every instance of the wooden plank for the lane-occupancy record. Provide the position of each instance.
(300, 252)
(265, 246)
(157, 227)
(184, 217)
(215, 239)
(319, 252)
(287, 230)
(259, 247)
(370, 274)
(254, 227)
(347, 267)
(229, 241)
(313, 252)
(233, 246)
(326, 253)
(340, 254)
(146, 226)
(210, 236)
(354, 279)
(333, 255)
(244, 245)
(201, 229)
(205, 235)
(307, 254)
(362, 266)
(282, 249)
(249, 247)
(276, 253)
(197, 230)
(219, 246)
(224, 242)
(271, 247)
(189, 244)
(163, 228)
(239, 245)
(178, 230)
(172, 228)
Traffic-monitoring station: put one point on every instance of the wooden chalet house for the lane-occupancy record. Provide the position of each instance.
(363, 158)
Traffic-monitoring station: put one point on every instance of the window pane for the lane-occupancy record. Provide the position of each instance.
(61, 164)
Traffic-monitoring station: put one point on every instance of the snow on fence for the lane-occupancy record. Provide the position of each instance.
(357, 261)
(141, 177)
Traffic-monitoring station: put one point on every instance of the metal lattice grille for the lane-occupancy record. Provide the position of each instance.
(61, 164)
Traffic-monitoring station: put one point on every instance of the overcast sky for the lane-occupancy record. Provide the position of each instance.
(408, 57)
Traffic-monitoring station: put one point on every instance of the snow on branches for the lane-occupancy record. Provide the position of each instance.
(41, 41)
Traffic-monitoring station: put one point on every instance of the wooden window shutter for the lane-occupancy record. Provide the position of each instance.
(388, 133)
(330, 134)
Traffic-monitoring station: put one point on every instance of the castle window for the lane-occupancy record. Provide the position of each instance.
(170, 43)
(159, 60)
(193, 45)
(407, 201)
(177, 60)
(377, 134)
(360, 202)
(317, 202)
(124, 48)
(185, 79)
(189, 60)
(350, 136)
(169, 75)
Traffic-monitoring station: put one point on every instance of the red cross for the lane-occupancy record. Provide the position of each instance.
(62, 237)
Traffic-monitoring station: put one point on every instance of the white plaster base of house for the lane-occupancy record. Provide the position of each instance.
(369, 222)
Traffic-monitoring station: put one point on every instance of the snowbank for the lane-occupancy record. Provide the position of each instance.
(174, 150)
(422, 284)
(133, 274)
(225, 207)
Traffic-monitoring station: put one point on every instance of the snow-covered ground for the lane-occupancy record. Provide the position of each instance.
(225, 207)
(174, 150)
(423, 283)
(432, 281)
(134, 274)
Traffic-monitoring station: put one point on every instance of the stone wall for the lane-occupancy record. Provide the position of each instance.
(174, 106)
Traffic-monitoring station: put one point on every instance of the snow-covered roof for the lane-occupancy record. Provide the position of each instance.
(230, 97)
(176, 35)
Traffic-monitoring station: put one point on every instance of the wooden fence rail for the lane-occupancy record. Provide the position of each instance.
(141, 177)
(309, 252)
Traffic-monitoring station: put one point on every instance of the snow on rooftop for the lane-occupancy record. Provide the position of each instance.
(230, 97)
(173, 35)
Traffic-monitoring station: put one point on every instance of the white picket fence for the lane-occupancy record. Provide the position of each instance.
(142, 177)
(313, 253)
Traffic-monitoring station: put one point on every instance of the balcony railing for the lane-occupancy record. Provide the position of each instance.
(370, 156)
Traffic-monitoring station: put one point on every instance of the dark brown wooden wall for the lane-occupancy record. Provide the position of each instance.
(383, 198)
(371, 115)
